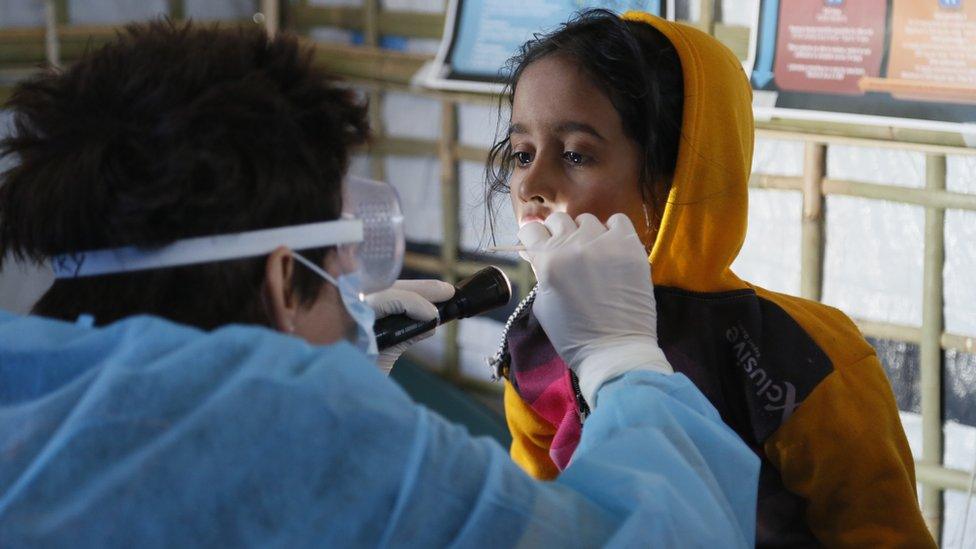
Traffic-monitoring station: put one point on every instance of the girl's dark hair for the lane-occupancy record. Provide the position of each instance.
(168, 132)
(636, 66)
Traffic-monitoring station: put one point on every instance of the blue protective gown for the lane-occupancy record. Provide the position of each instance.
(151, 434)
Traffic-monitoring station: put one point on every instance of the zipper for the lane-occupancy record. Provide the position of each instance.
(582, 408)
(498, 363)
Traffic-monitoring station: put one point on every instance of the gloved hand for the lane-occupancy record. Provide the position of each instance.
(415, 298)
(595, 299)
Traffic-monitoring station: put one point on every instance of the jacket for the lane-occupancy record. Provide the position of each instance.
(794, 378)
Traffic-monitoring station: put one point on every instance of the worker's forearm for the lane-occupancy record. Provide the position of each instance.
(655, 463)
(656, 450)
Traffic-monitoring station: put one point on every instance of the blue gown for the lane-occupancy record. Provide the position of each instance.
(151, 434)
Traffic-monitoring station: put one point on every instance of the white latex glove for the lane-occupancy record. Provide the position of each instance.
(595, 299)
(415, 298)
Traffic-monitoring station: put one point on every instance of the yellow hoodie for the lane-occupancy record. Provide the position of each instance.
(793, 377)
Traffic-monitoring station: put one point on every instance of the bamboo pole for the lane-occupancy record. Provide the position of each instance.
(177, 9)
(450, 205)
(371, 29)
(930, 351)
(931, 198)
(941, 477)
(882, 330)
(433, 265)
(472, 154)
(812, 233)
(377, 159)
(272, 20)
(63, 11)
(428, 264)
(52, 43)
(911, 334)
(371, 38)
(706, 15)
(400, 23)
(401, 146)
(962, 343)
(777, 182)
(834, 133)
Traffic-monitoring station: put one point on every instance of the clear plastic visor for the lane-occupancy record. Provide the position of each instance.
(378, 258)
(369, 238)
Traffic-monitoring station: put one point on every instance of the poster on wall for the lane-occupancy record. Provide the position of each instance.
(900, 63)
(481, 35)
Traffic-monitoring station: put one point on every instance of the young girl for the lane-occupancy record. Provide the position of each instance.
(638, 115)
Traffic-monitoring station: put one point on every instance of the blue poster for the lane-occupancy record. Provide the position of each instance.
(488, 32)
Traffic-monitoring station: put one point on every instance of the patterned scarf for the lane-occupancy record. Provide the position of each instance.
(543, 381)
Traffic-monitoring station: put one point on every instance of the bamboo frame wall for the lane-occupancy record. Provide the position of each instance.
(380, 71)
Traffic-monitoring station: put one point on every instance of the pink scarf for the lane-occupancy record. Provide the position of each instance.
(546, 384)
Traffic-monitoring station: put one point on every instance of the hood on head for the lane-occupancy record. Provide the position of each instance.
(704, 221)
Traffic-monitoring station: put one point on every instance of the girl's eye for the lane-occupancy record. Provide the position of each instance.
(573, 157)
(522, 157)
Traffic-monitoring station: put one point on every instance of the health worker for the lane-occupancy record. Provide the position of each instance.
(203, 371)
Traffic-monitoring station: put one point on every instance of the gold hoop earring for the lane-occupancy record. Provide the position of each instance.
(648, 232)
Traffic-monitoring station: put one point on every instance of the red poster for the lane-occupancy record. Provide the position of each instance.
(828, 46)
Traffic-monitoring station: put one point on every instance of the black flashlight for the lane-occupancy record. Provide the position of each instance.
(483, 291)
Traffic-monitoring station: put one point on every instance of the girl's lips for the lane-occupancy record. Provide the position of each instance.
(529, 219)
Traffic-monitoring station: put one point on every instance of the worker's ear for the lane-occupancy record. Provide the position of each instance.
(278, 293)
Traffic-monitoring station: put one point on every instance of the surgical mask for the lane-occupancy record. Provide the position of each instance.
(355, 303)
(369, 239)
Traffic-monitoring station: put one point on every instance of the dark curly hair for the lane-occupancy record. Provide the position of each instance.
(638, 69)
(173, 131)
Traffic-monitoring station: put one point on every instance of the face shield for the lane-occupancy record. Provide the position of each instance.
(368, 238)
(378, 257)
